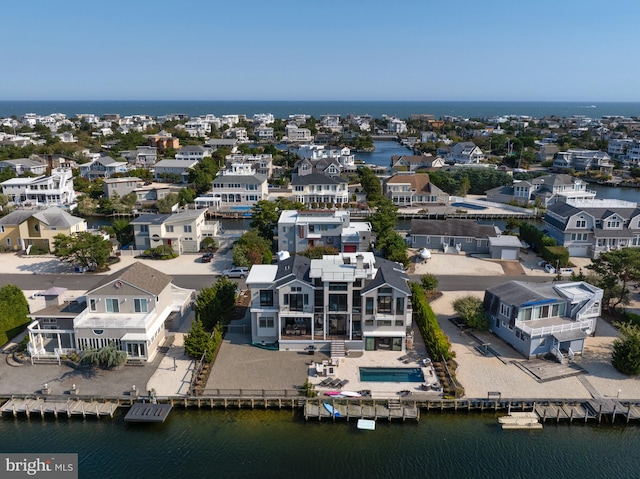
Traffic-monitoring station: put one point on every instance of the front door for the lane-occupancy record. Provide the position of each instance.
(136, 350)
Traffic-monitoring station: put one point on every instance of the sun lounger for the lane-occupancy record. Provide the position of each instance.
(326, 382)
(342, 383)
(334, 383)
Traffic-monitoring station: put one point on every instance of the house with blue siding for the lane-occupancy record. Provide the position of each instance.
(538, 319)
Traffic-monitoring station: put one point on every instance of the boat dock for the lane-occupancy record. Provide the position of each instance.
(609, 410)
(360, 409)
(71, 407)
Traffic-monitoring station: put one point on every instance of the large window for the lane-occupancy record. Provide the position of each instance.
(338, 302)
(384, 304)
(369, 306)
(266, 297)
(140, 305)
(296, 302)
(399, 305)
(112, 305)
(337, 286)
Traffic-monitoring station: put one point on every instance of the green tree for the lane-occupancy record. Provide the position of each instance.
(370, 184)
(186, 196)
(215, 303)
(616, 271)
(429, 282)
(83, 249)
(626, 350)
(122, 230)
(166, 204)
(385, 219)
(6, 174)
(197, 341)
(107, 357)
(464, 186)
(264, 218)
(251, 248)
(471, 310)
(208, 244)
(13, 312)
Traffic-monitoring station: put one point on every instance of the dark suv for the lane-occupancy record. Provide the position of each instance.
(207, 257)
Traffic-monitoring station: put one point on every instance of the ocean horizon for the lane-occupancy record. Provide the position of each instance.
(282, 109)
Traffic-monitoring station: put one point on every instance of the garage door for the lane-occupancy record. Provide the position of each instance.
(509, 254)
(579, 251)
(350, 248)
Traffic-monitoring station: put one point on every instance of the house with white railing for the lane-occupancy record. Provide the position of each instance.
(540, 319)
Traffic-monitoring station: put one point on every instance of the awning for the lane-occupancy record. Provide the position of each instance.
(570, 335)
(384, 334)
(134, 337)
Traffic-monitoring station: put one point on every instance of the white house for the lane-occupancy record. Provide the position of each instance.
(54, 190)
(239, 185)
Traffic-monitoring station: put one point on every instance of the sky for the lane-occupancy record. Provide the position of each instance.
(504, 50)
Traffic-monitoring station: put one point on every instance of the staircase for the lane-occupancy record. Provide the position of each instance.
(337, 349)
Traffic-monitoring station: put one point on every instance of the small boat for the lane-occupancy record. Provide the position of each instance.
(367, 424)
(350, 394)
(334, 393)
(520, 420)
(425, 253)
(333, 411)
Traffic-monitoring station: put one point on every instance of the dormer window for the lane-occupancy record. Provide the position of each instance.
(614, 223)
(581, 223)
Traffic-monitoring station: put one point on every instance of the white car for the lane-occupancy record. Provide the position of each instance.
(549, 269)
(236, 272)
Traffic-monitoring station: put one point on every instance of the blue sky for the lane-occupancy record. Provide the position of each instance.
(528, 50)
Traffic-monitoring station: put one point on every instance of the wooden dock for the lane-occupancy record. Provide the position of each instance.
(148, 412)
(71, 407)
(359, 409)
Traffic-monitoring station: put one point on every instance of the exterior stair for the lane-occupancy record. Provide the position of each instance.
(337, 349)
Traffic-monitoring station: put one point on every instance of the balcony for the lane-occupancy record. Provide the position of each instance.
(547, 327)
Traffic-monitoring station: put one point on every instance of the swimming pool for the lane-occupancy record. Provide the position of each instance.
(392, 375)
(240, 208)
(469, 205)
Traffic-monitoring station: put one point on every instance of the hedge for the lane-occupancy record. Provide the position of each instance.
(437, 342)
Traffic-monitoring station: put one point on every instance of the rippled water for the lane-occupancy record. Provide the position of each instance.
(275, 444)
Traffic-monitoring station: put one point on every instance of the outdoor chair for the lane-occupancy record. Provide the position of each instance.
(325, 382)
(342, 383)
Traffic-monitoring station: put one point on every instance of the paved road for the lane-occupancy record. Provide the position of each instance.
(80, 282)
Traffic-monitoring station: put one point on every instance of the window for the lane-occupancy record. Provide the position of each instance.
(112, 305)
(170, 229)
(266, 297)
(384, 304)
(337, 286)
(399, 305)
(338, 302)
(144, 228)
(140, 305)
(266, 322)
(187, 228)
(613, 223)
(8, 241)
(369, 306)
(93, 304)
(581, 223)
(505, 310)
(297, 301)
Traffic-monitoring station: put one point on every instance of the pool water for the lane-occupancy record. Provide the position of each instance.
(469, 205)
(240, 208)
(392, 375)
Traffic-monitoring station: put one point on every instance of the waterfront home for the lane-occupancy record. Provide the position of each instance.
(410, 163)
(587, 228)
(261, 163)
(301, 230)
(411, 190)
(53, 190)
(21, 229)
(453, 236)
(543, 190)
(264, 133)
(352, 300)
(182, 231)
(544, 318)
(173, 170)
(465, 152)
(24, 165)
(319, 181)
(294, 133)
(583, 160)
(239, 185)
(127, 309)
(547, 152)
(103, 167)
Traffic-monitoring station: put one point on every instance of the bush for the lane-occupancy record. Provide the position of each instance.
(108, 357)
(208, 244)
(436, 341)
(626, 350)
(164, 251)
(471, 310)
(429, 282)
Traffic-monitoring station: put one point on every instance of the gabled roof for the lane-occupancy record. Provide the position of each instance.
(176, 164)
(419, 182)
(55, 216)
(388, 273)
(317, 179)
(295, 267)
(139, 275)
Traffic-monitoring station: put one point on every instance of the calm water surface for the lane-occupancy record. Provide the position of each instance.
(275, 444)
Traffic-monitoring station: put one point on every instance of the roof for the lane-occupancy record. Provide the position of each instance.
(505, 240)
(388, 273)
(121, 180)
(25, 163)
(255, 178)
(139, 275)
(452, 227)
(55, 216)
(295, 267)
(316, 179)
(262, 273)
(419, 182)
(175, 164)
(150, 219)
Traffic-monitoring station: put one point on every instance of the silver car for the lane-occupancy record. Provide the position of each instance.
(238, 272)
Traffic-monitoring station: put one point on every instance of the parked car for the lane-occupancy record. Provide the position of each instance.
(237, 272)
(549, 269)
(207, 257)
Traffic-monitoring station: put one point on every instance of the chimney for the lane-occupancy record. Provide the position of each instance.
(53, 296)
(359, 261)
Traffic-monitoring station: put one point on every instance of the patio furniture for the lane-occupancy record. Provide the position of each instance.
(342, 383)
(326, 382)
